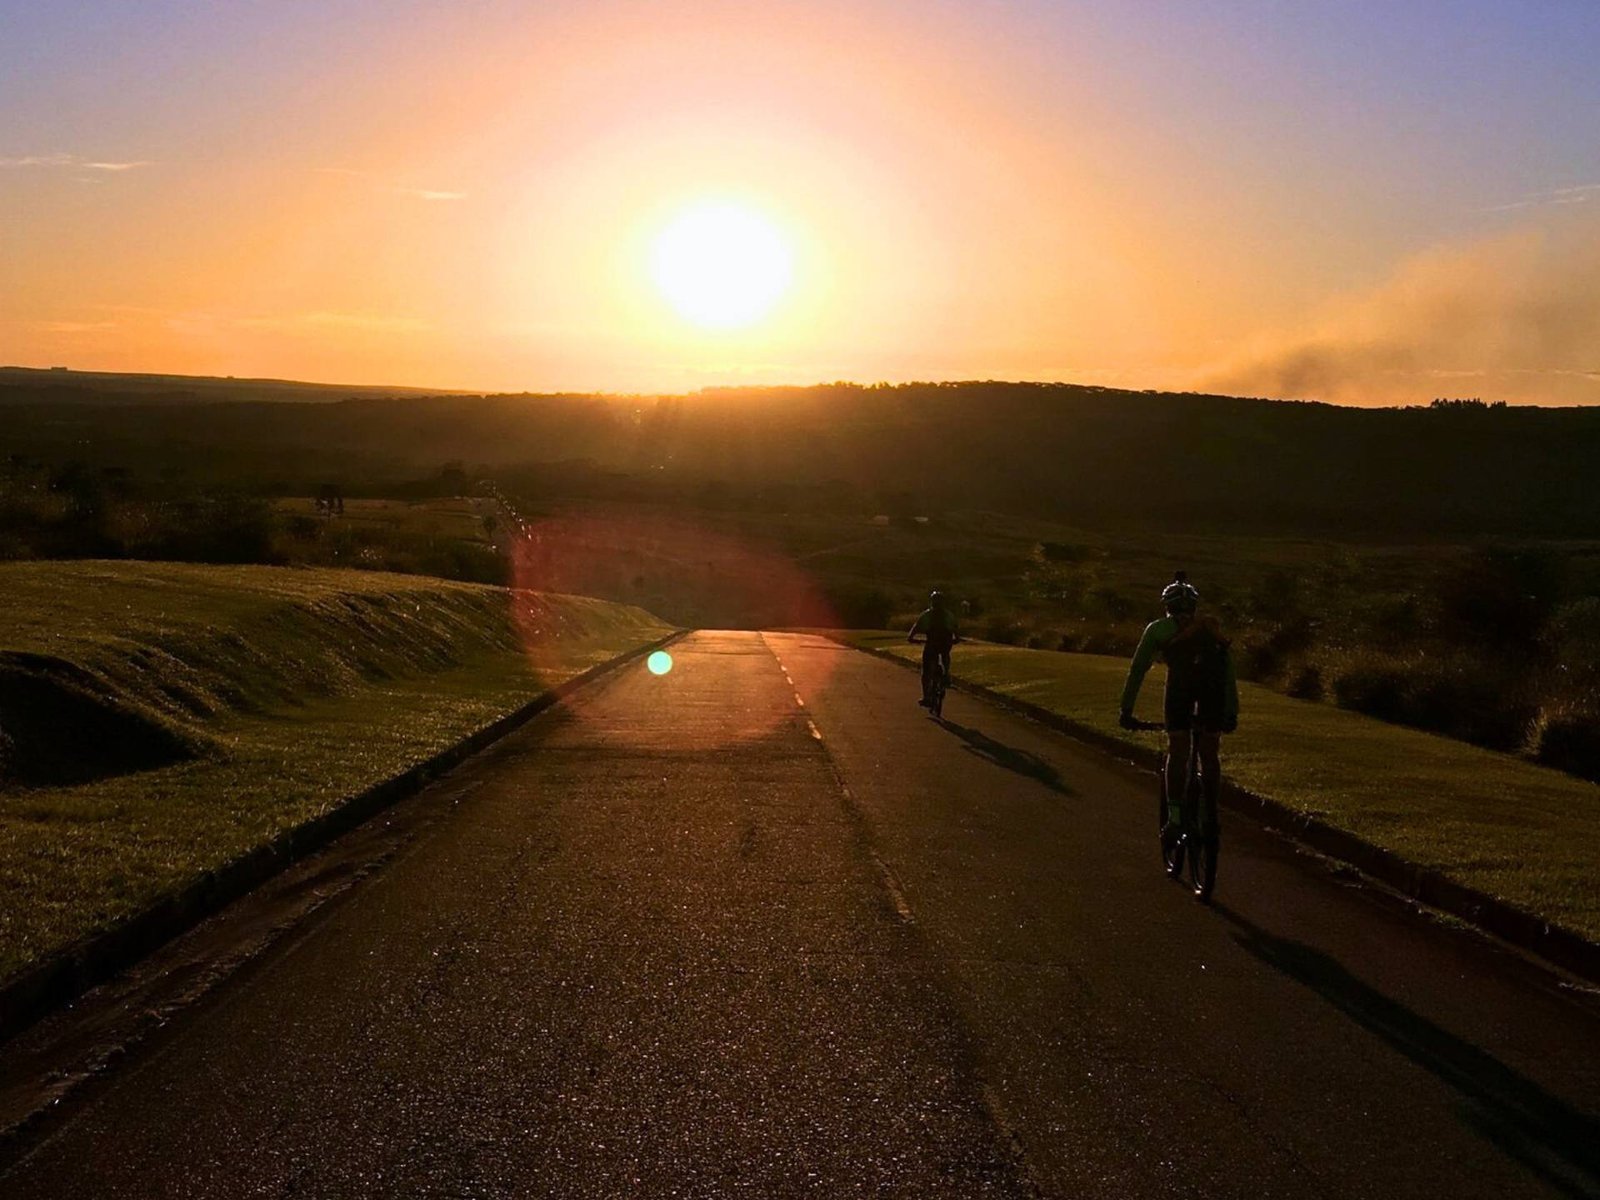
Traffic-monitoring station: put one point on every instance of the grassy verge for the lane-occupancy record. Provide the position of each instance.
(1504, 827)
(251, 699)
(449, 537)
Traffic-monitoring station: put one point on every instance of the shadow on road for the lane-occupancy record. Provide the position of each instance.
(1548, 1136)
(1009, 757)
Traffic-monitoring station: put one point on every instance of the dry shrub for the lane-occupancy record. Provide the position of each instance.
(1486, 703)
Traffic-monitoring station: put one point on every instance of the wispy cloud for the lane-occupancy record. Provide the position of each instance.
(68, 160)
(322, 321)
(417, 193)
(73, 327)
(206, 323)
(1578, 194)
(430, 194)
(37, 160)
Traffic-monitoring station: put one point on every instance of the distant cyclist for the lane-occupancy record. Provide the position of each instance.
(1202, 698)
(937, 624)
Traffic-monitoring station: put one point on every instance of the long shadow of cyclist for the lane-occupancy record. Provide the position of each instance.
(1544, 1133)
(1009, 757)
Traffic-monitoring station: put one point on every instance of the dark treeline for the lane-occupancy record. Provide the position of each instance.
(1059, 450)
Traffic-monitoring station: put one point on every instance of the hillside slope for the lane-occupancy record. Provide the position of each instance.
(165, 719)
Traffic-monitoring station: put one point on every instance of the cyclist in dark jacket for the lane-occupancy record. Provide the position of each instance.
(938, 625)
(1202, 699)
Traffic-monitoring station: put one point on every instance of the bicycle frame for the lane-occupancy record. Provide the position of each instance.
(1196, 836)
(934, 698)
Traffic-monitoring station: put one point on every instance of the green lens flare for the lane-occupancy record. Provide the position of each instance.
(659, 663)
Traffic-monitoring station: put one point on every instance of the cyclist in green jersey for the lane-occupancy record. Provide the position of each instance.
(938, 625)
(1202, 699)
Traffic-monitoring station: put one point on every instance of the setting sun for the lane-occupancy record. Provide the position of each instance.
(721, 265)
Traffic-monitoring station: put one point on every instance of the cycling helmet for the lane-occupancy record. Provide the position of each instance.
(1180, 595)
(936, 597)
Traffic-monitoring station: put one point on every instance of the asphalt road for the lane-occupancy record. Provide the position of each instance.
(760, 927)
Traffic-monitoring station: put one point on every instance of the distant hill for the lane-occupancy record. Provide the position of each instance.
(26, 385)
(1064, 450)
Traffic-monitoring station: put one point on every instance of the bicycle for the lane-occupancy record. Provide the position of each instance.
(1190, 844)
(934, 684)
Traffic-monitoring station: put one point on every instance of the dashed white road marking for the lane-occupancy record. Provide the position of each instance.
(902, 906)
(897, 895)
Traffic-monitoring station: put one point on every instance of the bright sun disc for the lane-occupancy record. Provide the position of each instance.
(721, 266)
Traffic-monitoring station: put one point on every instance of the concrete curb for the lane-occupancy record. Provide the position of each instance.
(66, 975)
(1557, 945)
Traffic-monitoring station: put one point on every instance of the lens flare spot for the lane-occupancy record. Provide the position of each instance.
(659, 663)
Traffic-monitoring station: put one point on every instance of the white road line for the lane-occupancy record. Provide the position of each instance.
(901, 904)
(897, 896)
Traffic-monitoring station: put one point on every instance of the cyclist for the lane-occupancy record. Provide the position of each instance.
(937, 624)
(1202, 699)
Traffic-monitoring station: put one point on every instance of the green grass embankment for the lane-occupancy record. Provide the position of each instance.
(1501, 826)
(164, 719)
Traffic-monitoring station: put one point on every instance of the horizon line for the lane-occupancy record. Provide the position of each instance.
(58, 371)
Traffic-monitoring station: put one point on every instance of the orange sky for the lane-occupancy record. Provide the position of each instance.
(464, 196)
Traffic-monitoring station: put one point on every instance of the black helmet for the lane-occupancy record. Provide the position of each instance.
(1180, 595)
(936, 598)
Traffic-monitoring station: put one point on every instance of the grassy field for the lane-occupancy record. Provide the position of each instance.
(458, 517)
(195, 712)
(1051, 581)
(1490, 821)
(451, 537)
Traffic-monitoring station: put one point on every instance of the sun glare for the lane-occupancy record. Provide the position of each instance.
(721, 265)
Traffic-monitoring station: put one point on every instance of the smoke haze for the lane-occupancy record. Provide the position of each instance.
(1514, 317)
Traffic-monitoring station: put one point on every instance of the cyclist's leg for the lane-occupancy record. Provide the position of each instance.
(1208, 744)
(1178, 713)
(1177, 769)
(930, 662)
(944, 664)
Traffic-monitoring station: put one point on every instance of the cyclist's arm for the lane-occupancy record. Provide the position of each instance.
(1230, 701)
(920, 626)
(1143, 657)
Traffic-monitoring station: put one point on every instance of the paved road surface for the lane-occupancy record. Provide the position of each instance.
(761, 928)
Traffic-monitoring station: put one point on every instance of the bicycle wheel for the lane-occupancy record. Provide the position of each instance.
(1202, 837)
(1171, 839)
(936, 696)
(1203, 865)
